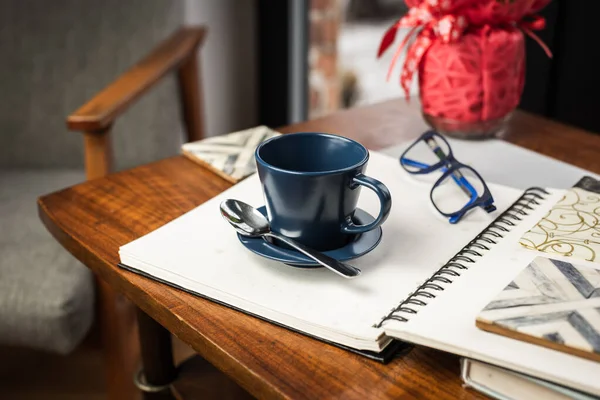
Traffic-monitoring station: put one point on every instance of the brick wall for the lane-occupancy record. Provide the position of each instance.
(324, 85)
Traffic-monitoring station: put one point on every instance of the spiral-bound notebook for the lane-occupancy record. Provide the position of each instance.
(424, 283)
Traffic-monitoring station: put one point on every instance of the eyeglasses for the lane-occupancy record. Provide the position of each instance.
(432, 152)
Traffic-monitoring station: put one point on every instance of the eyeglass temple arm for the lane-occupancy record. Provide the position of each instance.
(460, 180)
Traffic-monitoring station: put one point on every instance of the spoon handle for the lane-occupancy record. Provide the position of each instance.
(345, 270)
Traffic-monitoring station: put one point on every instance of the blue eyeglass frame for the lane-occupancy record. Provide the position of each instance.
(449, 166)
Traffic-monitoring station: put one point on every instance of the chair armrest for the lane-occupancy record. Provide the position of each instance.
(100, 112)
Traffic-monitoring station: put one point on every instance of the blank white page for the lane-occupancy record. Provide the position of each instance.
(448, 321)
(200, 251)
(507, 164)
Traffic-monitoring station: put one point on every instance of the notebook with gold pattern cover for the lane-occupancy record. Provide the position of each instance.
(571, 228)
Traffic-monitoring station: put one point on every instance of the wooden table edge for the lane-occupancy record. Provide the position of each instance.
(148, 306)
(223, 360)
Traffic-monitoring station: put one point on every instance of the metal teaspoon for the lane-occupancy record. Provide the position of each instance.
(248, 221)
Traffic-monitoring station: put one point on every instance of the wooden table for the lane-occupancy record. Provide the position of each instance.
(93, 219)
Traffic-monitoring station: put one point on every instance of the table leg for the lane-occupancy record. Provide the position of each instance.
(158, 369)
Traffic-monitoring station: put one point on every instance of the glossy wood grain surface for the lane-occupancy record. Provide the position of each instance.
(93, 219)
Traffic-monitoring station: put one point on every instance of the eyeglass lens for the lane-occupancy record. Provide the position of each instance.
(425, 153)
(457, 191)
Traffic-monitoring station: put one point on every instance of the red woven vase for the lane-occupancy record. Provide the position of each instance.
(470, 87)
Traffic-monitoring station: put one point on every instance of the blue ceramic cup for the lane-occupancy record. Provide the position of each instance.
(311, 183)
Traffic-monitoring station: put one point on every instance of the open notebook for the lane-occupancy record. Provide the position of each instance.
(435, 275)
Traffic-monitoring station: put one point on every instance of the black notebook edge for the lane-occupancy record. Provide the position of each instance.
(394, 349)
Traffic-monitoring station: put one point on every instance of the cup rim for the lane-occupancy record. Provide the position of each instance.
(260, 160)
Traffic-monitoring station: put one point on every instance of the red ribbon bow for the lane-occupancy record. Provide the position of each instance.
(448, 28)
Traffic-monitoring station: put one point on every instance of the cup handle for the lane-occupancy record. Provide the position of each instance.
(384, 198)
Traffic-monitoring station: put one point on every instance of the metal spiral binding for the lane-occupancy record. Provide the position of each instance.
(452, 269)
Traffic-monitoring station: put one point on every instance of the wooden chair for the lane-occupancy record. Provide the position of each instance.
(95, 119)
(56, 55)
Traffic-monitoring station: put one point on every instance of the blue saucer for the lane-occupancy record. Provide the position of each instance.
(359, 246)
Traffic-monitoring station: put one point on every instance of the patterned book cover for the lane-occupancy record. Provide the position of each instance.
(231, 155)
(550, 303)
(572, 226)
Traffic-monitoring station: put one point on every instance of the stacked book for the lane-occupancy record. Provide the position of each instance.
(504, 384)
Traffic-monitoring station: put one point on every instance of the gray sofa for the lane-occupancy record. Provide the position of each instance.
(55, 55)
